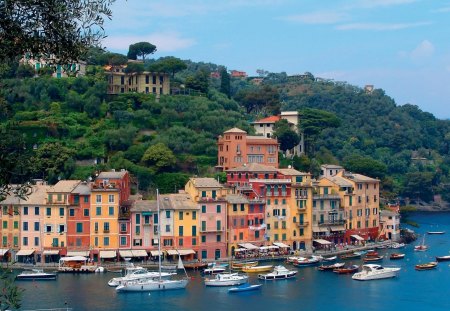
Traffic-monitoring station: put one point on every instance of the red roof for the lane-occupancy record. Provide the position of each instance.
(271, 119)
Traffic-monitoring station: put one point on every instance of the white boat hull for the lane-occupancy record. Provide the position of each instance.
(363, 276)
(152, 285)
(225, 280)
(139, 277)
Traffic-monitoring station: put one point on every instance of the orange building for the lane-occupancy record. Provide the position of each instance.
(236, 148)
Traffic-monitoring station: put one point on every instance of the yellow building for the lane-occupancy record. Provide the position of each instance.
(55, 217)
(10, 227)
(104, 220)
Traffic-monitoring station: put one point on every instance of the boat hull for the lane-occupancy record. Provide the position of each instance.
(256, 269)
(272, 277)
(29, 277)
(152, 286)
(245, 289)
(442, 258)
(364, 277)
(227, 281)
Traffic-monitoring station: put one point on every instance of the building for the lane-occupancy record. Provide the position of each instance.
(76, 69)
(390, 225)
(265, 127)
(236, 148)
(238, 74)
(120, 81)
(10, 229)
(330, 170)
(208, 194)
(144, 229)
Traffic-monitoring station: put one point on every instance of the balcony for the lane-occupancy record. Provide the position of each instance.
(326, 197)
(303, 224)
(209, 199)
(339, 222)
(211, 230)
(146, 224)
(301, 210)
(105, 231)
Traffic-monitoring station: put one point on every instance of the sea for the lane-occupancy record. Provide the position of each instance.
(311, 290)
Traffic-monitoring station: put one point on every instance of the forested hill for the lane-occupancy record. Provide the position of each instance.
(68, 123)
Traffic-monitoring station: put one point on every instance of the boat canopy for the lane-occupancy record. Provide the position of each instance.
(357, 237)
(51, 252)
(322, 242)
(73, 258)
(108, 254)
(25, 252)
(248, 246)
(78, 253)
(3, 251)
(280, 244)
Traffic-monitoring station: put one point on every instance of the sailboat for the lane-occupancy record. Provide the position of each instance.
(421, 247)
(158, 284)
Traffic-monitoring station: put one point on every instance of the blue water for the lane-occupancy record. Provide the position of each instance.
(312, 290)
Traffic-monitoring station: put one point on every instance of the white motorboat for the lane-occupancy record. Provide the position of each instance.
(36, 274)
(375, 272)
(138, 274)
(227, 279)
(396, 245)
(214, 270)
(278, 273)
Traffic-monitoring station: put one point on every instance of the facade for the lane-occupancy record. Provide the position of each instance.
(76, 69)
(79, 220)
(238, 74)
(10, 227)
(236, 148)
(330, 170)
(390, 225)
(119, 81)
(208, 194)
(144, 225)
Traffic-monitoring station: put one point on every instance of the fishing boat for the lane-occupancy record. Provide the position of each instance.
(245, 288)
(36, 274)
(372, 253)
(332, 258)
(426, 266)
(373, 258)
(421, 247)
(351, 255)
(227, 279)
(331, 267)
(76, 264)
(435, 232)
(396, 245)
(442, 258)
(346, 270)
(159, 283)
(236, 265)
(395, 256)
(278, 273)
(196, 265)
(375, 272)
(256, 269)
(305, 262)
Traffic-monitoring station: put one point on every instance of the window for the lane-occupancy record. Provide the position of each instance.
(180, 230)
(180, 241)
(283, 224)
(218, 238)
(276, 237)
(374, 197)
(203, 238)
(219, 209)
(106, 227)
(194, 230)
(194, 241)
(59, 197)
(167, 214)
(55, 242)
(359, 199)
(25, 241)
(234, 207)
(203, 209)
(96, 241)
(86, 199)
(123, 227)
(350, 201)
(96, 227)
(138, 230)
(138, 219)
(275, 225)
(61, 228)
(167, 242)
(71, 212)
(36, 210)
(25, 226)
(203, 194)
(219, 225)
(111, 211)
(76, 199)
(242, 207)
(61, 211)
(48, 211)
(241, 236)
(283, 237)
(302, 232)
(79, 227)
(180, 215)
(283, 212)
(98, 198)
(374, 223)
(194, 215)
(167, 228)
(36, 241)
(5, 240)
(36, 226)
(16, 224)
(86, 212)
(203, 225)
(111, 198)
(204, 254)
(106, 241)
(98, 210)
(25, 210)
(123, 240)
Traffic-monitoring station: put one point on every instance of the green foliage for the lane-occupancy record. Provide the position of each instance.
(225, 82)
(287, 138)
(199, 81)
(10, 293)
(171, 182)
(418, 185)
(54, 161)
(140, 49)
(159, 156)
(264, 99)
(366, 166)
(168, 64)
(134, 67)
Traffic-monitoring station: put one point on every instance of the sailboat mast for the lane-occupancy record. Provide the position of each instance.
(159, 235)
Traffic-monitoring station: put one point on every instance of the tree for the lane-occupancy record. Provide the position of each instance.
(225, 82)
(116, 59)
(141, 49)
(10, 294)
(62, 30)
(134, 67)
(287, 138)
(418, 185)
(52, 160)
(265, 98)
(199, 81)
(366, 166)
(169, 64)
(160, 156)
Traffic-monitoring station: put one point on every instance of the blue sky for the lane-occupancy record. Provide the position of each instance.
(401, 46)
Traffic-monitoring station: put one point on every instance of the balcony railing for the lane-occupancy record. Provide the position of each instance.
(332, 222)
(105, 231)
(303, 224)
(208, 230)
(326, 196)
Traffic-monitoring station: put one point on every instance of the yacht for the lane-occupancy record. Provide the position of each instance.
(138, 274)
(278, 273)
(375, 272)
(227, 279)
(36, 274)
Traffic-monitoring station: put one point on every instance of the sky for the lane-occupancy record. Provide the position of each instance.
(400, 46)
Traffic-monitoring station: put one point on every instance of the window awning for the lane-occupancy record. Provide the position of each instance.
(172, 252)
(186, 251)
(357, 237)
(125, 253)
(155, 253)
(108, 254)
(3, 251)
(248, 246)
(25, 252)
(51, 252)
(240, 249)
(338, 228)
(319, 229)
(322, 241)
(78, 253)
(264, 248)
(139, 253)
(282, 245)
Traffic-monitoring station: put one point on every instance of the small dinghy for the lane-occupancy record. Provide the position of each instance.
(245, 288)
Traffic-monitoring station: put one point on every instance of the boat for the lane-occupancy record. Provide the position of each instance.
(396, 245)
(305, 262)
(159, 283)
(442, 258)
(395, 256)
(331, 267)
(372, 253)
(138, 273)
(256, 269)
(214, 270)
(351, 255)
(227, 279)
(239, 265)
(426, 266)
(373, 258)
(278, 273)
(346, 270)
(421, 247)
(196, 265)
(293, 259)
(435, 232)
(244, 288)
(36, 274)
(332, 258)
(76, 264)
(375, 272)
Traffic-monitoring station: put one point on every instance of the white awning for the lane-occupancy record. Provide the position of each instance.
(108, 254)
(125, 253)
(264, 248)
(359, 238)
(172, 252)
(51, 252)
(279, 244)
(337, 228)
(73, 258)
(273, 247)
(155, 253)
(248, 246)
(3, 251)
(323, 242)
(186, 251)
(139, 253)
(78, 253)
(240, 249)
(25, 252)
(319, 229)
